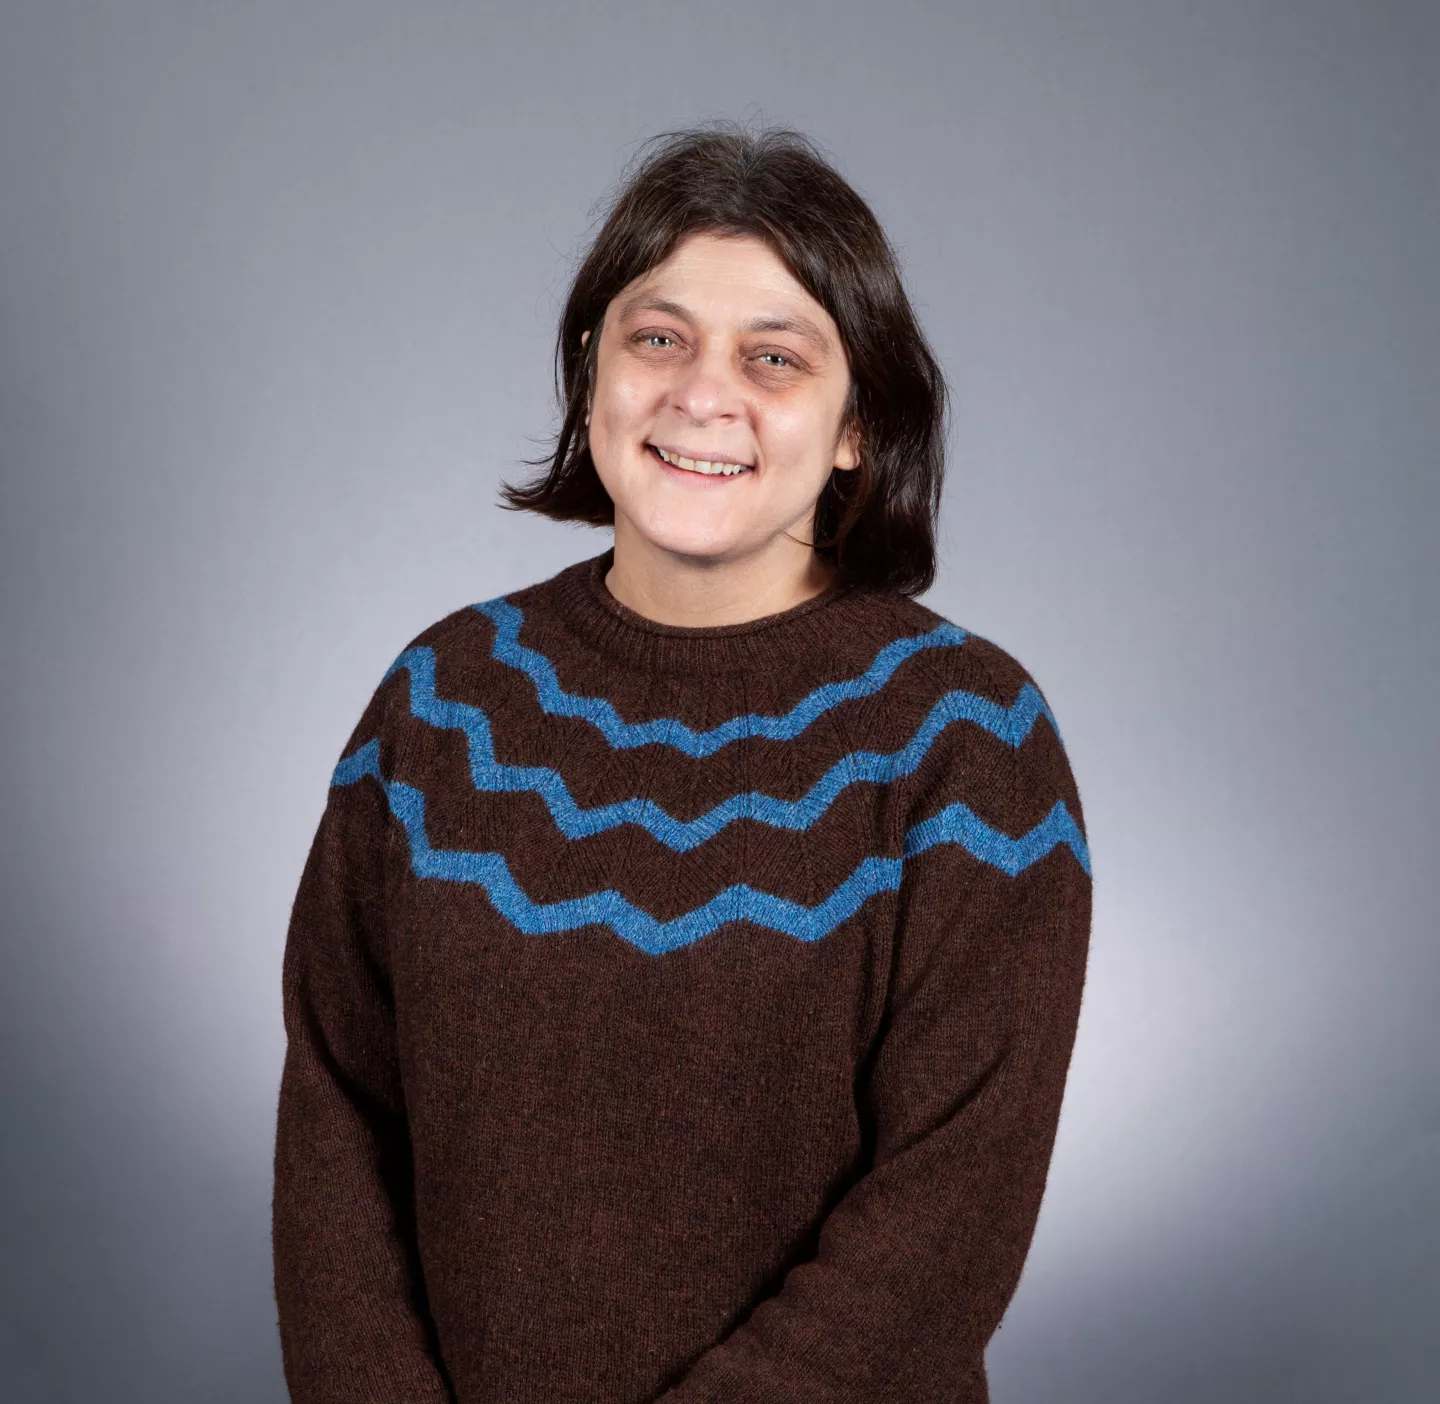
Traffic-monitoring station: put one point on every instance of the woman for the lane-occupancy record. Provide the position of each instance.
(682, 983)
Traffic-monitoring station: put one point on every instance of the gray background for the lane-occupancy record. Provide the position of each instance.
(277, 289)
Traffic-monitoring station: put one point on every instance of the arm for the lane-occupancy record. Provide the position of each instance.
(917, 1263)
(353, 1321)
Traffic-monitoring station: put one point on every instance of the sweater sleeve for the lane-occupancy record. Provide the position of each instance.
(353, 1321)
(916, 1264)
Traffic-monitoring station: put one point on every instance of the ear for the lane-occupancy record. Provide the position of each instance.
(585, 341)
(847, 451)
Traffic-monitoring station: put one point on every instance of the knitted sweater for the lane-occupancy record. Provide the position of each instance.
(676, 1013)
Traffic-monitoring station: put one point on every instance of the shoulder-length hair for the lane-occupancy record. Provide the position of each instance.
(876, 522)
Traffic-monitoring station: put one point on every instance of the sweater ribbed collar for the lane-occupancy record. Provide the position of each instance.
(806, 636)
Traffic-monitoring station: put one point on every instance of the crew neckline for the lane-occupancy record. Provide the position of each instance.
(813, 626)
(599, 568)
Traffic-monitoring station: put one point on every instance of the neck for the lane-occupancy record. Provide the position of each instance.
(699, 592)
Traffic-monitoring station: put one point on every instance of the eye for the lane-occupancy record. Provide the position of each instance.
(775, 358)
(651, 337)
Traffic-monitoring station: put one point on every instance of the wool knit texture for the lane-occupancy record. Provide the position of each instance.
(676, 1013)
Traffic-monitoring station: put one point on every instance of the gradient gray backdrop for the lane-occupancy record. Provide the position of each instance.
(277, 289)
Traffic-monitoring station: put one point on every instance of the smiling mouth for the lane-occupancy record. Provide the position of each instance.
(705, 467)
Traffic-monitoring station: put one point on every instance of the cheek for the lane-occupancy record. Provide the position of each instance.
(623, 400)
(797, 434)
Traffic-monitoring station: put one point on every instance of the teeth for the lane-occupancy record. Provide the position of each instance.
(701, 465)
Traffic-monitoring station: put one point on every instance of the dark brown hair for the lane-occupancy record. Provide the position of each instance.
(876, 522)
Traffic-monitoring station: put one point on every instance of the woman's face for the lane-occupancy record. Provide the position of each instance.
(718, 355)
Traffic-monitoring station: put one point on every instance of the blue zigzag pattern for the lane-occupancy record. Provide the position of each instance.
(1011, 724)
(956, 823)
(670, 731)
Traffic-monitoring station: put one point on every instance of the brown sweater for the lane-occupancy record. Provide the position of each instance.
(675, 1013)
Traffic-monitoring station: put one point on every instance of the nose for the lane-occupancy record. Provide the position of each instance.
(708, 387)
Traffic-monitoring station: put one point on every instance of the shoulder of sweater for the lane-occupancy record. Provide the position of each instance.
(388, 691)
(979, 664)
(443, 629)
(996, 732)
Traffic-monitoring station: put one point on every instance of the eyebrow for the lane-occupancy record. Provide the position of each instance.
(802, 326)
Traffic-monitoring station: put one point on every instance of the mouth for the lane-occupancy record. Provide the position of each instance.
(698, 467)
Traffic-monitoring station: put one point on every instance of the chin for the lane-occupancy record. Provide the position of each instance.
(696, 540)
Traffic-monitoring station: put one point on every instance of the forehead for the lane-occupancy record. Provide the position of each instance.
(728, 278)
